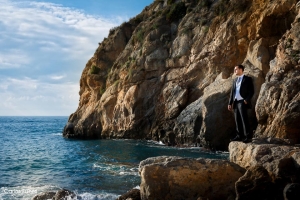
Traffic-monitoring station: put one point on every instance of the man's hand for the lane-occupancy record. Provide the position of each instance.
(229, 107)
(245, 101)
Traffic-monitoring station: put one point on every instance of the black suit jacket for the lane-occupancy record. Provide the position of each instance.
(246, 90)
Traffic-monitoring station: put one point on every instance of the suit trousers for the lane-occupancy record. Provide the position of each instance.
(241, 119)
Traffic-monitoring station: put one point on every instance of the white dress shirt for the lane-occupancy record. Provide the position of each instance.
(238, 87)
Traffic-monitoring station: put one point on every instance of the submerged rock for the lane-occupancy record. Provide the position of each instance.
(44, 196)
(133, 194)
(183, 178)
(63, 194)
(59, 195)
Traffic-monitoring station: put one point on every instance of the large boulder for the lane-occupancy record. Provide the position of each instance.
(184, 178)
(270, 167)
(279, 160)
(255, 184)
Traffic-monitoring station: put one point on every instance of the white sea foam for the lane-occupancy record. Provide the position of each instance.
(156, 142)
(137, 187)
(117, 169)
(89, 196)
(28, 192)
(129, 173)
(24, 192)
(223, 152)
(56, 134)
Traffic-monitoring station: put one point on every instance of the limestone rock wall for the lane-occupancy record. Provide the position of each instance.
(166, 73)
(278, 105)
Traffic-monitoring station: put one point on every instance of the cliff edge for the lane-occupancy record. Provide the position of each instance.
(166, 73)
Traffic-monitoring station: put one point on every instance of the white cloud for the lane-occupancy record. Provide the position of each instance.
(13, 59)
(55, 25)
(40, 29)
(32, 97)
(26, 83)
(43, 44)
(57, 77)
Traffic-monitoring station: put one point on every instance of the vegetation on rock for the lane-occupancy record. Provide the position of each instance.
(176, 12)
(94, 69)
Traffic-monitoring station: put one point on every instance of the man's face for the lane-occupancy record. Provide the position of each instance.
(238, 71)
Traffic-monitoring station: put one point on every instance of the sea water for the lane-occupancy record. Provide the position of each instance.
(35, 158)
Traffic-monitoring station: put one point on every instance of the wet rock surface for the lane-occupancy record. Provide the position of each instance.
(133, 194)
(59, 195)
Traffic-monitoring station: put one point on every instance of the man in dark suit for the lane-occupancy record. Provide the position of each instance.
(240, 100)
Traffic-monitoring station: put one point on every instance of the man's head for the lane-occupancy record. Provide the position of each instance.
(239, 70)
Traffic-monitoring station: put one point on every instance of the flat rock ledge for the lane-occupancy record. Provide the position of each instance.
(179, 178)
(273, 170)
(277, 159)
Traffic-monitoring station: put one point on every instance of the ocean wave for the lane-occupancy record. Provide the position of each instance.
(56, 134)
(129, 173)
(223, 152)
(89, 196)
(28, 192)
(117, 169)
(160, 143)
(24, 192)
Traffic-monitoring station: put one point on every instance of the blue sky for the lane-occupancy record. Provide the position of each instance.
(44, 46)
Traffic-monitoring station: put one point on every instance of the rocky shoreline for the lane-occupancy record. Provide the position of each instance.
(264, 169)
(267, 169)
(167, 77)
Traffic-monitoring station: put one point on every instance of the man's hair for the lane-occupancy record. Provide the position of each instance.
(241, 67)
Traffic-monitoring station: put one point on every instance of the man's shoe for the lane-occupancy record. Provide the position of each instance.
(247, 140)
(236, 138)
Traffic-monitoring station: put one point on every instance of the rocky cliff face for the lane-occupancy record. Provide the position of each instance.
(166, 73)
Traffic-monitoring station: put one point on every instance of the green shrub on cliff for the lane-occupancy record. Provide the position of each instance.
(102, 90)
(169, 2)
(137, 19)
(140, 35)
(204, 3)
(177, 12)
(113, 30)
(94, 70)
(240, 5)
(223, 7)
